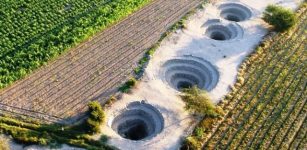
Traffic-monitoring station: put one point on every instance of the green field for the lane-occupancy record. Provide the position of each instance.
(267, 108)
(34, 31)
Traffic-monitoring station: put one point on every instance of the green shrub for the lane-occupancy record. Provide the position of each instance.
(152, 50)
(191, 143)
(93, 126)
(199, 132)
(282, 19)
(111, 100)
(4, 144)
(104, 139)
(131, 82)
(197, 101)
(96, 117)
(128, 85)
(138, 70)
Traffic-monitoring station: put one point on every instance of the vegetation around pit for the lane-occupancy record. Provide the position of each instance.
(198, 102)
(53, 135)
(126, 87)
(96, 117)
(267, 106)
(279, 17)
(34, 32)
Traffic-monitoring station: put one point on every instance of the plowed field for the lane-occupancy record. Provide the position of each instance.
(95, 68)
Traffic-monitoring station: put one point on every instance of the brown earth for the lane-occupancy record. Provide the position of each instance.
(94, 69)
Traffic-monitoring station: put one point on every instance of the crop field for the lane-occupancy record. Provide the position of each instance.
(92, 70)
(35, 31)
(267, 108)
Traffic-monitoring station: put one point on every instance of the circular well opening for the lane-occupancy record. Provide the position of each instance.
(219, 32)
(184, 85)
(133, 129)
(188, 71)
(139, 121)
(217, 36)
(235, 12)
(232, 18)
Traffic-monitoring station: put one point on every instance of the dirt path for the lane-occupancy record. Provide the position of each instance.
(94, 69)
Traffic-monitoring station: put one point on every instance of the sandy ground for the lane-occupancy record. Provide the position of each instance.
(225, 55)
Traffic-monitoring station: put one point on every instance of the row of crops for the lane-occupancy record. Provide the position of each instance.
(33, 32)
(267, 108)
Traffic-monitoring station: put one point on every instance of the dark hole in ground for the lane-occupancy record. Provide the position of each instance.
(233, 18)
(184, 85)
(218, 36)
(133, 130)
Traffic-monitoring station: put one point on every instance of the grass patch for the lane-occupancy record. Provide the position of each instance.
(53, 135)
(198, 102)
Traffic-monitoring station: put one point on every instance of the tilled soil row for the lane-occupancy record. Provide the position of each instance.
(95, 68)
(117, 67)
(61, 64)
(89, 67)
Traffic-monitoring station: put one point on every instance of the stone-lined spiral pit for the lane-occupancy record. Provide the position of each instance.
(221, 31)
(188, 71)
(235, 12)
(139, 121)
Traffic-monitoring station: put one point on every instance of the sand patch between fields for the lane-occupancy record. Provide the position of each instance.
(226, 56)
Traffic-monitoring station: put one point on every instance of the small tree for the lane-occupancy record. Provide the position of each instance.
(96, 117)
(198, 101)
(282, 19)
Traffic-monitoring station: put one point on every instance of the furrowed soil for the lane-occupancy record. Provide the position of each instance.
(94, 69)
